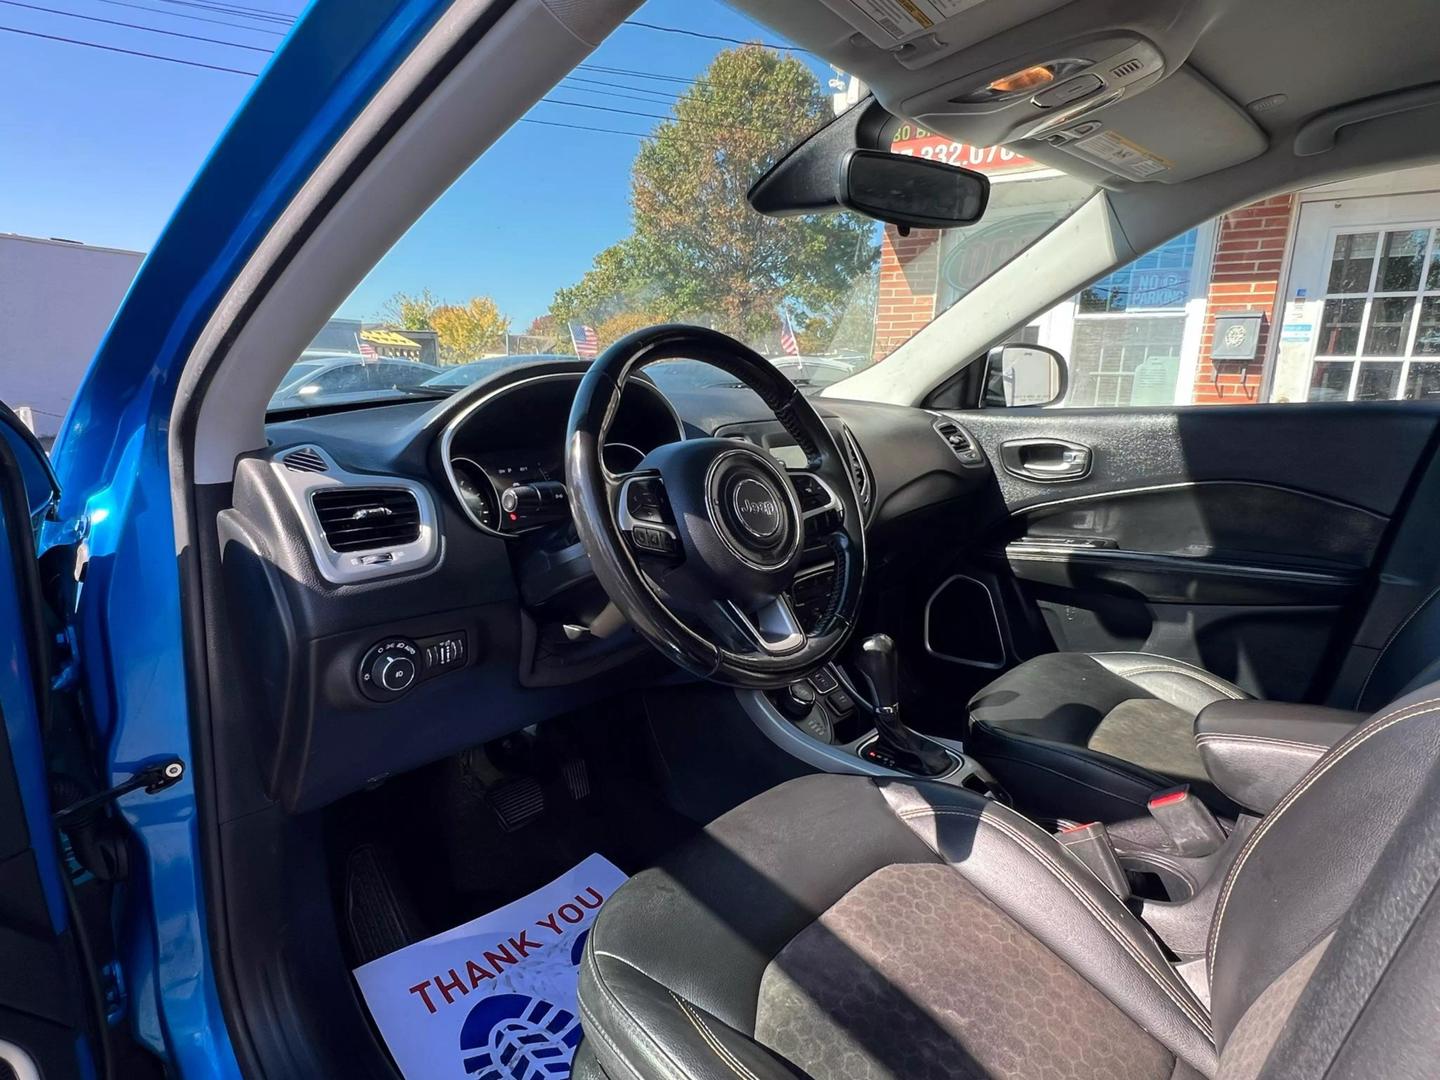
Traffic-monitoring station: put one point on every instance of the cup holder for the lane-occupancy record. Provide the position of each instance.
(1156, 878)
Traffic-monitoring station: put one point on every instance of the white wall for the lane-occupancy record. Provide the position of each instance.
(56, 300)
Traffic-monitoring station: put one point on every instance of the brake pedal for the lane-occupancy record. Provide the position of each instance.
(577, 777)
(516, 802)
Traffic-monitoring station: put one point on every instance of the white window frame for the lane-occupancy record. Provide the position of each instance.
(1370, 295)
(1057, 326)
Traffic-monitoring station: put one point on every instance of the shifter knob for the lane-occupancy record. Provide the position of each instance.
(881, 669)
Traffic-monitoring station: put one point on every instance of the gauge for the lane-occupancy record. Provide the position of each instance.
(476, 493)
(622, 458)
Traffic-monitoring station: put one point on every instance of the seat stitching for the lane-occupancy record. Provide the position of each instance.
(1059, 873)
(1319, 769)
(626, 1014)
(594, 1028)
(1221, 736)
(723, 1052)
(1085, 754)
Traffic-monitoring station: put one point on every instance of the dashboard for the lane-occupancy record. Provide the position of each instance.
(389, 610)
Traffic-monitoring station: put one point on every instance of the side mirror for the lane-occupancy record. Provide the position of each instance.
(1023, 375)
(911, 192)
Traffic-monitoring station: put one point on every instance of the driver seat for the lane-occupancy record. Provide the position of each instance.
(846, 927)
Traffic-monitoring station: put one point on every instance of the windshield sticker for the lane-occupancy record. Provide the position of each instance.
(1125, 157)
(494, 998)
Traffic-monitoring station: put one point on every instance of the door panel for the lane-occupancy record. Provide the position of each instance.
(1244, 539)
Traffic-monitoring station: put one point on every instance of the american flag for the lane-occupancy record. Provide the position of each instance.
(367, 351)
(585, 340)
(788, 345)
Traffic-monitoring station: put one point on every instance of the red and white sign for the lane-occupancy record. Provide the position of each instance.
(495, 998)
(991, 160)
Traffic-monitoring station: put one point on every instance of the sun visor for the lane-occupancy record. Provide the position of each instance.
(1179, 129)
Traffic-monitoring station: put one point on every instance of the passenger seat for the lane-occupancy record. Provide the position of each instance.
(1089, 736)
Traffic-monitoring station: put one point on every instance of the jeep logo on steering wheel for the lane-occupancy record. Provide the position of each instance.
(757, 508)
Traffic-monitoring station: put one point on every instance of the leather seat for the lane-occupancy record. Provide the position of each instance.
(1090, 736)
(852, 927)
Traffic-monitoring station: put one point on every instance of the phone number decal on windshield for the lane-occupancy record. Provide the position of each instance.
(918, 142)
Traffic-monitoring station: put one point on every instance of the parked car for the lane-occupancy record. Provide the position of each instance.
(938, 723)
(345, 379)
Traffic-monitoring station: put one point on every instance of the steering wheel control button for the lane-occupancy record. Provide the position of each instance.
(645, 500)
(389, 669)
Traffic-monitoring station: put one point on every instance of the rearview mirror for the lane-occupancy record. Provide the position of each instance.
(1017, 376)
(911, 192)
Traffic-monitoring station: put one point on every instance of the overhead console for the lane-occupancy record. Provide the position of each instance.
(1101, 81)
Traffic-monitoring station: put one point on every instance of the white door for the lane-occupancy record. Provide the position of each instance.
(1362, 318)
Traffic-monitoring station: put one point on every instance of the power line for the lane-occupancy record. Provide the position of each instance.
(611, 93)
(633, 73)
(127, 52)
(615, 131)
(651, 116)
(636, 23)
(193, 18)
(230, 9)
(134, 26)
(587, 85)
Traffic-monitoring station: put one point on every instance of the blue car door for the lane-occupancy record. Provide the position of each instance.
(50, 1002)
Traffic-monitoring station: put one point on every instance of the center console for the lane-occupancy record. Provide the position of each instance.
(837, 723)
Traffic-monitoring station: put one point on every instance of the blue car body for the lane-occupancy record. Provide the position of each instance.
(112, 459)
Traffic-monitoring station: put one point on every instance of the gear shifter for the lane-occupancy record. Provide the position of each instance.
(911, 752)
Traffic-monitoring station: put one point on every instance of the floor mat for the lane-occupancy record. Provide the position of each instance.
(493, 998)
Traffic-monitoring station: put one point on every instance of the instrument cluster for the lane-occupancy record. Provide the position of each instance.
(506, 484)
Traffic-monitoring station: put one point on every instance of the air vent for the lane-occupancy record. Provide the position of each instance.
(959, 441)
(365, 519)
(306, 459)
(857, 470)
(1128, 68)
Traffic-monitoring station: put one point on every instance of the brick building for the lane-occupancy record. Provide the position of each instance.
(1330, 293)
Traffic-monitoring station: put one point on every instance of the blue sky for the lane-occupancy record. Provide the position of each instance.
(99, 147)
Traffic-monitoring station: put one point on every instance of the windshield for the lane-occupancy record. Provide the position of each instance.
(665, 128)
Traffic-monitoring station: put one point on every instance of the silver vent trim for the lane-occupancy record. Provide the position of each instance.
(369, 563)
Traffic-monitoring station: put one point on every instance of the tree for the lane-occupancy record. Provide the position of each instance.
(410, 311)
(696, 250)
(468, 331)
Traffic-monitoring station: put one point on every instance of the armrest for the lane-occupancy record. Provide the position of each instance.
(1256, 751)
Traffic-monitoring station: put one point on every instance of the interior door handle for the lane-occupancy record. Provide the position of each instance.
(1046, 461)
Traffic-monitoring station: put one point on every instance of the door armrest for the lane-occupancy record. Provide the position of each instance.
(1256, 751)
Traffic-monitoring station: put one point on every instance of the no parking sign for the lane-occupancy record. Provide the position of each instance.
(494, 998)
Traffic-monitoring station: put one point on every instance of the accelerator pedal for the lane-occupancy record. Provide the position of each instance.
(577, 777)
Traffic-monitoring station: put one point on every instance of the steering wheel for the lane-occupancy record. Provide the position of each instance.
(698, 544)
